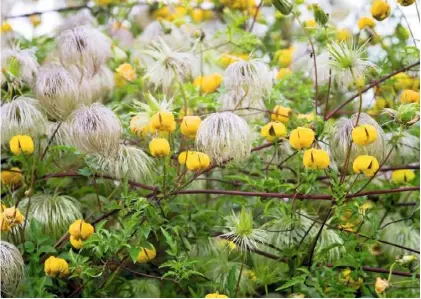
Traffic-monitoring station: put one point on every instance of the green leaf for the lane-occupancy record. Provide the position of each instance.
(231, 281)
(292, 282)
(47, 249)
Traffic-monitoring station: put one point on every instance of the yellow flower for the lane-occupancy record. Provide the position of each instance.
(126, 71)
(283, 72)
(405, 2)
(316, 159)
(146, 255)
(284, 57)
(366, 164)
(55, 266)
(223, 244)
(250, 274)
(226, 59)
(415, 84)
(80, 229)
(35, 20)
(197, 161)
(365, 206)
(119, 80)
(281, 114)
(301, 138)
(402, 176)
(402, 81)
(381, 285)
(310, 24)
(14, 216)
(11, 177)
(273, 130)
(76, 243)
(380, 10)
(216, 295)
(5, 227)
(366, 22)
(182, 157)
(238, 4)
(364, 134)
(208, 83)
(348, 280)
(343, 35)
(190, 125)
(159, 147)
(410, 96)
(197, 15)
(6, 27)
(163, 121)
(21, 144)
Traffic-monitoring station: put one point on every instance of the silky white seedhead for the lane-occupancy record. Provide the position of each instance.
(96, 130)
(252, 76)
(22, 116)
(168, 66)
(131, 163)
(54, 213)
(224, 136)
(81, 18)
(328, 238)
(57, 91)
(102, 83)
(12, 268)
(84, 47)
(342, 136)
(241, 231)
(347, 61)
(122, 36)
(23, 61)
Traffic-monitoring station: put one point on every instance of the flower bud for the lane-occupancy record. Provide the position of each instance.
(406, 2)
(81, 229)
(208, 83)
(190, 125)
(283, 6)
(182, 157)
(283, 72)
(21, 144)
(366, 164)
(11, 177)
(301, 138)
(126, 71)
(319, 15)
(197, 161)
(364, 134)
(380, 10)
(216, 295)
(146, 255)
(366, 22)
(316, 159)
(76, 243)
(159, 147)
(163, 121)
(401, 33)
(410, 96)
(273, 130)
(56, 267)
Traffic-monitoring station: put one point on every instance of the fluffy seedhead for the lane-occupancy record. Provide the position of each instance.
(252, 76)
(224, 136)
(96, 130)
(169, 66)
(342, 136)
(57, 91)
(20, 63)
(12, 268)
(131, 163)
(84, 47)
(347, 61)
(102, 83)
(81, 18)
(54, 213)
(22, 116)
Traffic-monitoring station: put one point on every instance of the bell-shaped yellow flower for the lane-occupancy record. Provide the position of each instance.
(197, 15)
(159, 147)
(402, 176)
(11, 177)
(216, 295)
(14, 216)
(284, 57)
(364, 134)
(139, 127)
(273, 130)
(197, 161)
(146, 255)
(316, 159)
(410, 96)
(406, 2)
(402, 81)
(208, 83)
(163, 121)
(366, 22)
(366, 164)
(182, 157)
(301, 138)
(283, 72)
(76, 243)
(21, 144)
(280, 113)
(56, 267)
(80, 229)
(6, 27)
(127, 71)
(380, 10)
(190, 125)
(4, 223)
